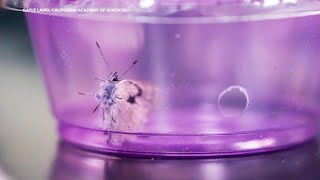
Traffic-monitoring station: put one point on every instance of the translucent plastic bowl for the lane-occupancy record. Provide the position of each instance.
(298, 163)
(208, 78)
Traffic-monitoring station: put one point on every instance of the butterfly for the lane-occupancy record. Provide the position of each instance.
(125, 104)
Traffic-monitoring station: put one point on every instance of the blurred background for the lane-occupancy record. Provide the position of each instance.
(27, 130)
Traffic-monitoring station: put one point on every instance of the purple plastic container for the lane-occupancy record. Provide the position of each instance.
(213, 78)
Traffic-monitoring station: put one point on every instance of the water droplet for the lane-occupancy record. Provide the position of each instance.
(233, 101)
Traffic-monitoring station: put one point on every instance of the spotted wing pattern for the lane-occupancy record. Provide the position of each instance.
(130, 112)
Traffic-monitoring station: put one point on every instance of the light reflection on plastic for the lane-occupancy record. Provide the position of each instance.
(268, 3)
(257, 3)
(289, 1)
(213, 171)
(254, 144)
(93, 162)
(145, 4)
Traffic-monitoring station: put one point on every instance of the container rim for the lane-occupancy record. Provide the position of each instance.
(169, 11)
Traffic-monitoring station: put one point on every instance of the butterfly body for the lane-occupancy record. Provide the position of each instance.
(125, 104)
(107, 98)
(106, 93)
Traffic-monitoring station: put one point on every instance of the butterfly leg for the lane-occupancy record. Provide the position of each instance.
(118, 97)
(99, 79)
(87, 94)
(114, 121)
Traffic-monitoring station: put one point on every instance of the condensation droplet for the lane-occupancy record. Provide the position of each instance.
(233, 101)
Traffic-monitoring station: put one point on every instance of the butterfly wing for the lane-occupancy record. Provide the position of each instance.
(134, 102)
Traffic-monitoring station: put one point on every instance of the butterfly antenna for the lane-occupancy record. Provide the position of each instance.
(105, 60)
(134, 62)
